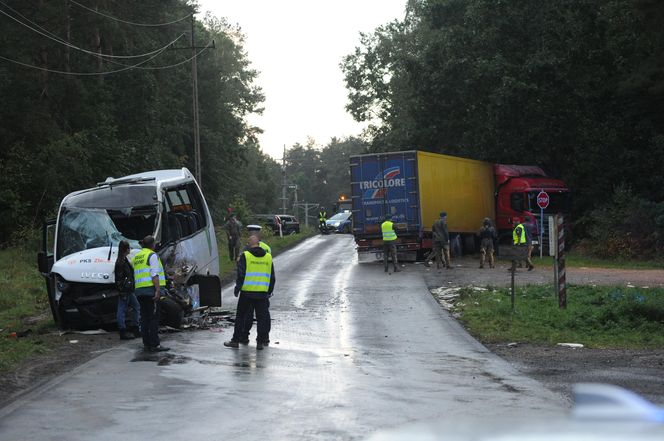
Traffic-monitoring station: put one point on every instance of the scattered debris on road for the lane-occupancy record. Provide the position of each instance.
(571, 345)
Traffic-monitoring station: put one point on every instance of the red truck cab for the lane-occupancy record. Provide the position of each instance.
(517, 187)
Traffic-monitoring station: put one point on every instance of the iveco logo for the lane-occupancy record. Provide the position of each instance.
(95, 275)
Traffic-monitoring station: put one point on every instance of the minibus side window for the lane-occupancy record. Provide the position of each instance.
(185, 212)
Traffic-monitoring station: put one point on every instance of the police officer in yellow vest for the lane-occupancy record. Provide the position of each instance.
(521, 240)
(389, 242)
(254, 284)
(254, 230)
(150, 279)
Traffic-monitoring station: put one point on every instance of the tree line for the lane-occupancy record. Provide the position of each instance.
(573, 85)
(98, 88)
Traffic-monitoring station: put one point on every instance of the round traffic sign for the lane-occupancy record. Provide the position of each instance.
(543, 199)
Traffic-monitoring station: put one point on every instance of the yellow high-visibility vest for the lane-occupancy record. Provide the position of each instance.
(142, 269)
(515, 237)
(265, 246)
(388, 231)
(258, 274)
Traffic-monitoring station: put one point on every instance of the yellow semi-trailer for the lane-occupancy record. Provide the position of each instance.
(463, 188)
(414, 187)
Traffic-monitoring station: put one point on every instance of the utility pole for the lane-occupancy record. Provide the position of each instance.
(294, 187)
(306, 206)
(194, 98)
(283, 182)
(194, 78)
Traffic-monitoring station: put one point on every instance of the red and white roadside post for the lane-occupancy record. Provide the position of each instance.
(542, 202)
(277, 219)
(559, 260)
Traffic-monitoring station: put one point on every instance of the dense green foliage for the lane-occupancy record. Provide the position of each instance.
(595, 316)
(575, 86)
(627, 227)
(66, 131)
(322, 175)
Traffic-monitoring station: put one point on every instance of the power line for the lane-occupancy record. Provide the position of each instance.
(130, 22)
(66, 43)
(32, 66)
(181, 62)
(135, 66)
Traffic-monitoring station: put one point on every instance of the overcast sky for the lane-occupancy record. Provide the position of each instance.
(297, 46)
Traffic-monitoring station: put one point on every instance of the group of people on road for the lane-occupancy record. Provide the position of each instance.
(441, 243)
(140, 282)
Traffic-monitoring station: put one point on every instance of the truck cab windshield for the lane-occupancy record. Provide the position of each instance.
(85, 228)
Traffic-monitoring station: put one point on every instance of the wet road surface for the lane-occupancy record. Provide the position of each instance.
(358, 351)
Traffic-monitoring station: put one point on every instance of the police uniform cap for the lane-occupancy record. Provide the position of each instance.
(443, 213)
(254, 227)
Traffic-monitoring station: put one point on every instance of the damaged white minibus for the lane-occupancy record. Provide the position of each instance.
(79, 248)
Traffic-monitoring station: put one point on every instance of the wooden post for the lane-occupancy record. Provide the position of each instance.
(513, 271)
(560, 263)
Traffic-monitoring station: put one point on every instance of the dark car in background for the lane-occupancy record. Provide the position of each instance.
(340, 223)
(289, 223)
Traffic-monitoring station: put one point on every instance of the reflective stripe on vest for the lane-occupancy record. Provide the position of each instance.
(388, 231)
(519, 240)
(142, 269)
(259, 272)
(322, 216)
(265, 246)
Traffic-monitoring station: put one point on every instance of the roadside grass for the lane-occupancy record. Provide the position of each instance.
(277, 244)
(578, 260)
(597, 317)
(23, 307)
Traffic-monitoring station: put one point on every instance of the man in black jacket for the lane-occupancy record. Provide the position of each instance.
(254, 285)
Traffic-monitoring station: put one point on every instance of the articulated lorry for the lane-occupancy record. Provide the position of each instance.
(414, 187)
(79, 248)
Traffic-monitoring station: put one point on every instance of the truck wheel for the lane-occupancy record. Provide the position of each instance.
(171, 313)
(469, 245)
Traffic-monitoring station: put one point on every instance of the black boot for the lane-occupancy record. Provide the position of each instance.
(124, 335)
(135, 331)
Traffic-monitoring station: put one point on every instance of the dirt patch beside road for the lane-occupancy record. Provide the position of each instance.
(67, 352)
(557, 367)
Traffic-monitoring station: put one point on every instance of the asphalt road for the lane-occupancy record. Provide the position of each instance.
(358, 351)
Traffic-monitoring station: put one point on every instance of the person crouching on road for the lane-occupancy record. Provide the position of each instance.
(389, 242)
(487, 237)
(149, 280)
(254, 286)
(124, 282)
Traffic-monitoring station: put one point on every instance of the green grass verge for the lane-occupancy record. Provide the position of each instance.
(22, 296)
(577, 260)
(599, 317)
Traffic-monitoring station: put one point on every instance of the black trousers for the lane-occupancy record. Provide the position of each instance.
(390, 249)
(149, 321)
(244, 317)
